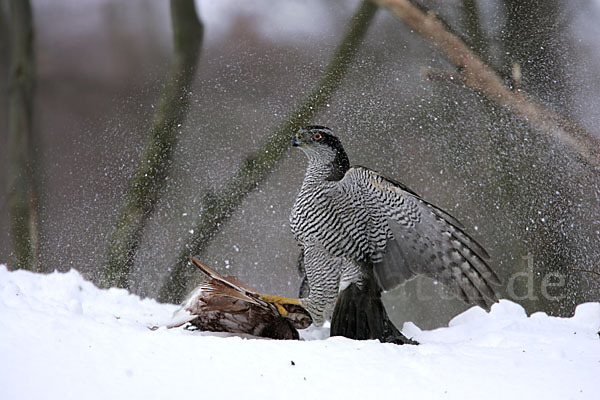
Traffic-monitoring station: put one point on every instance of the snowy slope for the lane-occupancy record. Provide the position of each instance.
(63, 338)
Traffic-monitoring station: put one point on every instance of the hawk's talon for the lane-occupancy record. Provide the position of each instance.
(279, 301)
(282, 311)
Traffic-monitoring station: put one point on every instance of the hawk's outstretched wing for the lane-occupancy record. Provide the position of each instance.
(409, 236)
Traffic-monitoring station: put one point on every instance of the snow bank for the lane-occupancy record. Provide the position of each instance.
(63, 338)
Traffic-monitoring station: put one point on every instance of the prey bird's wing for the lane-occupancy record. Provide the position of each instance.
(409, 236)
(229, 286)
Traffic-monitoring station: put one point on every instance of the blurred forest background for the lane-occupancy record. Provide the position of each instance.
(103, 70)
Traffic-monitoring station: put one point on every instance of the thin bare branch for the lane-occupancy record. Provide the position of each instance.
(481, 78)
(595, 271)
(438, 76)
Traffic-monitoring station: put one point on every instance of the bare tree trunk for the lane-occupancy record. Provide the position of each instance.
(219, 207)
(474, 29)
(534, 39)
(3, 31)
(144, 187)
(23, 199)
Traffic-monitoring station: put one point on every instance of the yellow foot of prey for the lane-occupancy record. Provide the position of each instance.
(279, 301)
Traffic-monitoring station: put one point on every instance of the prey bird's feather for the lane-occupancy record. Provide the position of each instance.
(226, 304)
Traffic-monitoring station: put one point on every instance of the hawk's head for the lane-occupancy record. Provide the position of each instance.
(322, 147)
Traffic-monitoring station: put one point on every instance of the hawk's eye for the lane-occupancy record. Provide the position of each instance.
(317, 136)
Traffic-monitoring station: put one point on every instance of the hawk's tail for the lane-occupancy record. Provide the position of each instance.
(359, 314)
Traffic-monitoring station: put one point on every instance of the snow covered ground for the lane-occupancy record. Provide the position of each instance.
(63, 338)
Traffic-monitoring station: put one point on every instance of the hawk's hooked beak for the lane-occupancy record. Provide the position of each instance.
(297, 140)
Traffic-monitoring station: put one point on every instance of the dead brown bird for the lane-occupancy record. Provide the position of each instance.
(226, 304)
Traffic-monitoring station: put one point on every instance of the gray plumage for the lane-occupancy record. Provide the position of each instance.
(355, 226)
